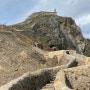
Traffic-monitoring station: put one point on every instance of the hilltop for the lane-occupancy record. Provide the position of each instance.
(55, 32)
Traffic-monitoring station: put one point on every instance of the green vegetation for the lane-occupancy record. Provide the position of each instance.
(46, 47)
(39, 19)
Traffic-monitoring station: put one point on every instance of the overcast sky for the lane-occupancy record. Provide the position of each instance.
(15, 11)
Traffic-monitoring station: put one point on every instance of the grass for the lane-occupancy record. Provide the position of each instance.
(38, 19)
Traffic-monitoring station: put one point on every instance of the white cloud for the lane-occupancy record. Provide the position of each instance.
(43, 1)
(87, 35)
(83, 20)
(40, 6)
(71, 1)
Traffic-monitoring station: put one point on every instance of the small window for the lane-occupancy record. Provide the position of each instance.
(67, 52)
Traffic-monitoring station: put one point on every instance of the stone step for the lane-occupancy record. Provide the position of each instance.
(48, 86)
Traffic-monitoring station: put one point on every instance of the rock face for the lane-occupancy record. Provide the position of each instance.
(55, 32)
(87, 48)
(60, 34)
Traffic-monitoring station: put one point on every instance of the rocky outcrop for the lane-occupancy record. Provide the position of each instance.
(87, 48)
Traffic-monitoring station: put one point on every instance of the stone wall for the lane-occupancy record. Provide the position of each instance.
(55, 53)
(41, 52)
(87, 61)
(81, 59)
(60, 82)
(79, 77)
(34, 80)
(46, 54)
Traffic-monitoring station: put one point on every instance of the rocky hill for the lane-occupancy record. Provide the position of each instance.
(55, 32)
(59, 37)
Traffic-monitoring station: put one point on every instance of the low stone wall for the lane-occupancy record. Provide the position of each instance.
(60, 82)
(32, 81)
(79, 77)
(81, 59)
(35, 80)
(41, 52)
(55, 53)
(47, 54)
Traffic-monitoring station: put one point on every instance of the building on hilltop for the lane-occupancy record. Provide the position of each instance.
(55, 11)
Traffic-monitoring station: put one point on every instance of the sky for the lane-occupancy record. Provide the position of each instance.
(15, 11)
